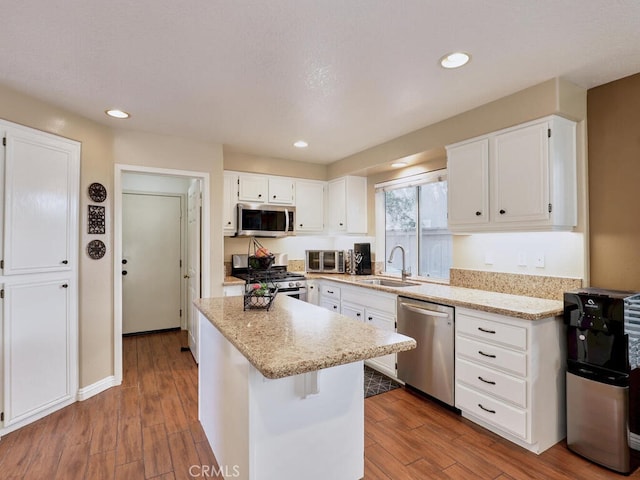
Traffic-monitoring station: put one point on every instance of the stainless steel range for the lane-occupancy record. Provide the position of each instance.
(288, 283)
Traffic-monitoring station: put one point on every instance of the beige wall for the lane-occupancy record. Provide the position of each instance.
(566, 255)
(95, 296)
(614, 179)
(163, 151)
(244, 162)
(101, 147)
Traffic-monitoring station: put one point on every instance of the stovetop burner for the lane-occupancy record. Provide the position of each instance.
(277, 273)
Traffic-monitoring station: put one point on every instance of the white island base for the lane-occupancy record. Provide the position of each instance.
(263, 429)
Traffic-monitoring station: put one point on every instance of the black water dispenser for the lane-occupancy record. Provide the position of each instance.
(603, 376)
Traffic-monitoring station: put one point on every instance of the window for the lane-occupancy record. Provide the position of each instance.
(415, 216)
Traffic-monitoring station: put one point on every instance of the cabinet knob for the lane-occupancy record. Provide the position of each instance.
(64, 285)
(478, 213)
(370, 318)
(274, 196)
(64, 262)
(124, 261)
(358, 314)
(259, 195)
(502, 212)
(341, 224)
(228, 223)
(300, 225)
(124, 272)
(335, 307)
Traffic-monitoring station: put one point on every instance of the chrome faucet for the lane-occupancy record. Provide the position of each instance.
(404, 273)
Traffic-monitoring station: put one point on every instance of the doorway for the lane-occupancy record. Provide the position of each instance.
(158, 196)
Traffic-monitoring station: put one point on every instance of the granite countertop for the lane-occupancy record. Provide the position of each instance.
(229, 280)
(519, 306)
(295, 337)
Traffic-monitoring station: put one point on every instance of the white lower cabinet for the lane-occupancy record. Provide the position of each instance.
(40, 348)
(233, 290)
(375, 308)
(510, 376)
(313, 292)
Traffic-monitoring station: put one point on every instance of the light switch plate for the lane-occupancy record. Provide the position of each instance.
(522, 259)
(540, 260)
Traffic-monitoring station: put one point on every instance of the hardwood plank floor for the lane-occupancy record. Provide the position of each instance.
(147, 428)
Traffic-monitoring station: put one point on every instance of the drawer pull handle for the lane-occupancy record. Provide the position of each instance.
(486, 331)
(330, 291)
(486, 381)
(486, 354)
(486, 409)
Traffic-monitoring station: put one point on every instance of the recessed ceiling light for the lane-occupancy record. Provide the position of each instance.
(454, 60)
(301, 144)
(399, 164)
(115, 113)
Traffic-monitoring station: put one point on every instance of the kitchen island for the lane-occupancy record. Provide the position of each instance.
(281, 391)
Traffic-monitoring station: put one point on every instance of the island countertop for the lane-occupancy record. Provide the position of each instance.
(295, 337)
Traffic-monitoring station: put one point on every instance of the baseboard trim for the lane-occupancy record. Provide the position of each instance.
(96, 388)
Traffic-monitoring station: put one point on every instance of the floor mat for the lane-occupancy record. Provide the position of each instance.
(375, 383)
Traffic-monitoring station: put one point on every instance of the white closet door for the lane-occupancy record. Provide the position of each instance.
(41, 196)
(39, 348)
(193, 265)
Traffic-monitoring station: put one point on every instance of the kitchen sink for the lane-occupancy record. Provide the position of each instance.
(384, 282)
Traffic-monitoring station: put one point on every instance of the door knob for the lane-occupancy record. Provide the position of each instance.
(124, 272)
(187, 276)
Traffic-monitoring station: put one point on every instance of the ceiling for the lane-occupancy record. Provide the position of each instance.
(344, 75)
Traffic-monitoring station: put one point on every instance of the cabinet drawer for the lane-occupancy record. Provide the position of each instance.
(491, 381)
(330, 304)
(505, 417)
(353, 311)
(507, 360)
(489, 330)
(331, 291)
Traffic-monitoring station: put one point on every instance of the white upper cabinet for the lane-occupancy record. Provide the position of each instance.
(468, 177)
(347, 205)
(229, 203)
(253, 188)
(41, 202)
(309, 206)
(521, 178)
(281, 190)
(265, 189)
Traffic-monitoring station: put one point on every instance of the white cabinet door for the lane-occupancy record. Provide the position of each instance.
(337, 200)
(309, 206)
(40, 345)
(281, 190)
(353, 311)
(520, 174)
(253, 188)
(313, 292)
(347, 200)
(229, 210)
(41, 197)
(384, 321)
(468, 183)
(330, 304)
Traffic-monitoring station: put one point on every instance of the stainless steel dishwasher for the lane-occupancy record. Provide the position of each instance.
(429, 367)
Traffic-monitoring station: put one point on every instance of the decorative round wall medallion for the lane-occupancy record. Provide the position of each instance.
(96, 249)
(97, 192)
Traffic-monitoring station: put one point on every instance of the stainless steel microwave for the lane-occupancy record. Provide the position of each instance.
(258, 220)
(325, 261)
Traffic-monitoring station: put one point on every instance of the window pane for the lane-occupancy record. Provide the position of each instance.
(435, 239)
(400, 226)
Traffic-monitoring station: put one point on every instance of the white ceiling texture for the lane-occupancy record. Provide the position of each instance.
(345, 75)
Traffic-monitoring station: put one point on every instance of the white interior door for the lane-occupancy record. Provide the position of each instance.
(193, 263)
(151, 259)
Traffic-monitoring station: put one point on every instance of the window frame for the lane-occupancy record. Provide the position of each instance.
(380, 203)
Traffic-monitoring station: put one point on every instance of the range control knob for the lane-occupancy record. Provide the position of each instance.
(291, 284)
(298, 284)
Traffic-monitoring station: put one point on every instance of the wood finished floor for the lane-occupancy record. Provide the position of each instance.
(148, 428)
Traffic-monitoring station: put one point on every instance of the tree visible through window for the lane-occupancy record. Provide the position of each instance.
(416, 218)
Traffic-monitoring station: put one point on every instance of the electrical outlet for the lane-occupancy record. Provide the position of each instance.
(488, 258)
(540, 260)
(522, 259)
